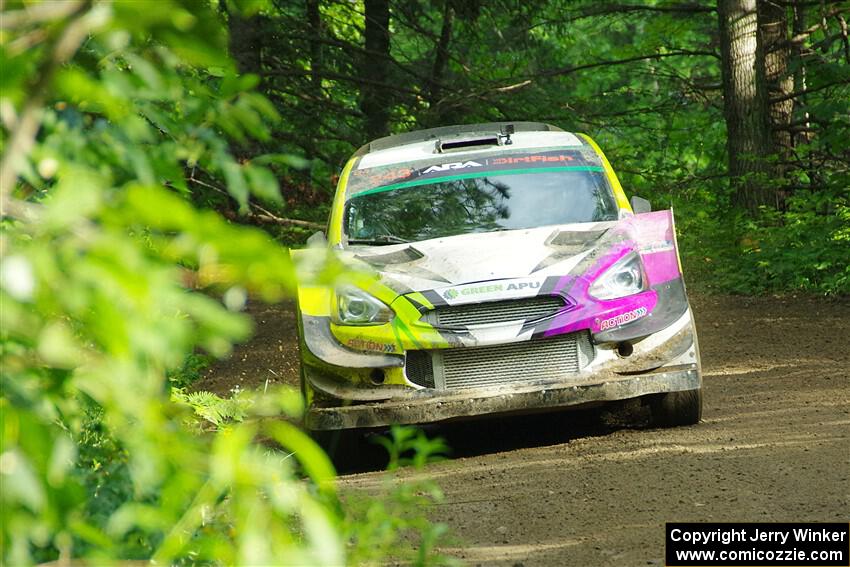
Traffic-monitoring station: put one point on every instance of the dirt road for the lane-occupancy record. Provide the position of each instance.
(579, 489)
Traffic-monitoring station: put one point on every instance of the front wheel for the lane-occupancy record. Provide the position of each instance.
(346, 448)
(676, 408)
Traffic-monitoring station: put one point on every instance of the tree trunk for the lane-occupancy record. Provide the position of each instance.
(441, 57)
(374, 99)
(245, 42)
(800, 85)
(314, 24)
(773, 24)
(745, 103)
(773, 27)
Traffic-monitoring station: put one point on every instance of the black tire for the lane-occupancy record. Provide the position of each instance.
(676, 408)
(342, 446)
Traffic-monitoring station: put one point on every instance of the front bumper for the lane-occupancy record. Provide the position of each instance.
(341, 393)
(424, 407)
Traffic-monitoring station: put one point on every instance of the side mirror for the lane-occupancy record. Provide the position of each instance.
(317, 240)
(640, 205)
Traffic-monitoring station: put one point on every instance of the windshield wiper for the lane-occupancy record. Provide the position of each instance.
(380, 239)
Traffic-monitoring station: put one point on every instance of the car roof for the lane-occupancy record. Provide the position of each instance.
(423, 144)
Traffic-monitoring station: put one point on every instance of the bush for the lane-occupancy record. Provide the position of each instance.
(110, 110)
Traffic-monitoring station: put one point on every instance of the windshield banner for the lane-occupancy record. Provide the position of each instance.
(446, 168)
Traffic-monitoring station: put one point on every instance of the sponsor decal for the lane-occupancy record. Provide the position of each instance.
(371, 178)
(622, 319)
(380, 176)
(366, 344)
(661, 246)
(450, 166)
(532, 159)
(452, 293)
(523, 285)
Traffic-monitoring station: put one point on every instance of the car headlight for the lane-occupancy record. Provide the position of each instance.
(353, 306)
(624, 278)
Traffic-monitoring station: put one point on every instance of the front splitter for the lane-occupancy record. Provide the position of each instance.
(429, 408)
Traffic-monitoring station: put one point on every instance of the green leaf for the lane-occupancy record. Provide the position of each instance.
(263, 183)
(20, 483)
(77, 196)
(58, 347)
(236, 185)
(288, 160)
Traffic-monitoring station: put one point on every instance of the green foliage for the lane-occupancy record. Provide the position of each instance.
(102, 471)
(214, 409)
(394, 523)
(112, 115)
(190, 370)
(644, 79)
(97, 461)
(408, 446)
(799, 250)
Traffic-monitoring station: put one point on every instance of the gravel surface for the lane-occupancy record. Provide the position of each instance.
(596, 487)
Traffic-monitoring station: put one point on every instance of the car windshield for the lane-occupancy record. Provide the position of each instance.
(499, 200)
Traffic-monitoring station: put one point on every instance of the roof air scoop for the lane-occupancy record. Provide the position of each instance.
(503, 138)
(467, 143)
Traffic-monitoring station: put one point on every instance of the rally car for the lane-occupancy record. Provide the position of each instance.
(490, 269)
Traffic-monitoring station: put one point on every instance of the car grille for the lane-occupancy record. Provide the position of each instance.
(529, 309)
(479, 367)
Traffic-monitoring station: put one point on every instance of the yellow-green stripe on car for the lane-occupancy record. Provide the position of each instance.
(619, 194)
(335, 226)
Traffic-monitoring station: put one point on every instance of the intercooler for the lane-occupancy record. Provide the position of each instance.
(479, 367)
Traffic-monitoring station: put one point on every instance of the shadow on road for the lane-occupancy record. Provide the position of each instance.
(356, 452)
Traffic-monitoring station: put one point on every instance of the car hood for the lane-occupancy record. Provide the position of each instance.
(470, 258)
(565, 261)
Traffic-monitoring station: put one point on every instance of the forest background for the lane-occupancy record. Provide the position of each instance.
(733, 113)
